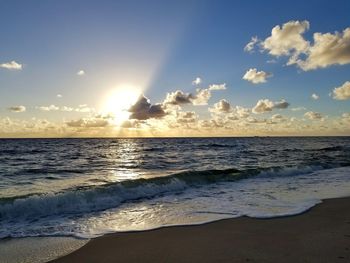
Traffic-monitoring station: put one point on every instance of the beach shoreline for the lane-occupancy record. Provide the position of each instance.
(320, 234)
(37, 249)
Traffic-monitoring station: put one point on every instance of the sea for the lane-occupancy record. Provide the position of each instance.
(86, 188)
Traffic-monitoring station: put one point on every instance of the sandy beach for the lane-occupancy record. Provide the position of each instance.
(319, 235)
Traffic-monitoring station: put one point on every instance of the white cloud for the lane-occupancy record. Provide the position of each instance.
(287, 40)
(186, 117)
(83, 108)
(325, 50)
(314, 96)
(263, 106)
(277, 117)
(342, 92)
(271, 61)
(65, 108)
(19, 108)
(202, 97)
(59, 96)
(52, 107)
(255, 77)
(313, 115)
(12, 65)
(346, 117)
(217, 86)
(328, 49)
(223, 106)
(81, 73)
(178, 98)
(48, 108)
(266, 105)
(211, 124)
(197, 81)
(250, 46)
(242, 112)
(298, 109)
(88, 123)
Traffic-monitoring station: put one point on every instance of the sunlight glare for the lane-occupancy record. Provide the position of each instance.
(119, 100)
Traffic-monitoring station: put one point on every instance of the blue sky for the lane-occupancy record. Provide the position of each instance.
(160, 47)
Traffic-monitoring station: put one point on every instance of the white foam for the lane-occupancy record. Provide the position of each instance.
(261, 196)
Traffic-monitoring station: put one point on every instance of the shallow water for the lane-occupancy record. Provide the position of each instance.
(89, 187)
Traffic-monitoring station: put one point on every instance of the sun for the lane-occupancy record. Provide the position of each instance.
(119, 100)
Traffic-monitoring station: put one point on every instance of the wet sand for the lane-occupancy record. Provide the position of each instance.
(37, 249)
(320, 235)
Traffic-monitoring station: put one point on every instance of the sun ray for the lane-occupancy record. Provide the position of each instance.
(119, 100)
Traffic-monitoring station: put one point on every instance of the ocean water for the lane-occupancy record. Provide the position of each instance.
(89, 187)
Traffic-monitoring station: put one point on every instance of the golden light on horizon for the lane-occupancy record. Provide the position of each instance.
(119, 100)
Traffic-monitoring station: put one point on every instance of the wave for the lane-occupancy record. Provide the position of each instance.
(85, 199)
(220, 145)
(334, 148)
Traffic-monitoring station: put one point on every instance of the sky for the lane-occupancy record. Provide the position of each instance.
(174, 68)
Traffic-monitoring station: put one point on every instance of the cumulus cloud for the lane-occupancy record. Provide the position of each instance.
(250, 46)
(271, 61)
(211, 124)
(19, 108)
(65, 108)
(346, 117)
(88, 123)
(266, 105)
(314, 96)
(328, 49)
(298, 109)
(276, 117)
(52, 107)
(129, 124)
(342, 92)
(202, 97)
(197, 81)
(223, 106)
(253, 120)
(48, 108)
(143, 110)
(231, 113)
(242, 112)
(12, 65)
(287, 40)
(181, 98)
(254, 76)
(217, 86)
(236, 113)
(313, 115)
(186, 117)
(263, 106)
(84, 108)
(325, 50)
(281, 104)
(59, 96)
(81, 73)
(178, 98)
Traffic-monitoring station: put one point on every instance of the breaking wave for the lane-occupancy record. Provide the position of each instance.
(98, 198)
